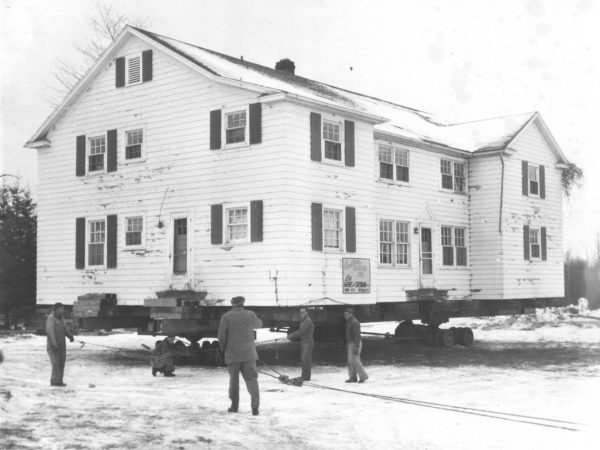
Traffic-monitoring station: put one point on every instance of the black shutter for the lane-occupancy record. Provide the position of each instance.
(111, 150)
(215, 129)
(349, 142)
(317, 225)
(147, 65)
(216, 224)
(111, 241)
(544, 254)
(542, 182)
(120, 72)
(255, 123)
(256, 218)
(315, 136)
(526, 242)
(525, 178)
(350, 229)
(80, 157)
(80, 243)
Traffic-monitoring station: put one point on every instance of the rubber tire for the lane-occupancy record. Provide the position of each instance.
(446, 338)
(466, 337)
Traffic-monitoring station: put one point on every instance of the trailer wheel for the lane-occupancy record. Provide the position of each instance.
(404, 329)
(445, 338)
(466, 337)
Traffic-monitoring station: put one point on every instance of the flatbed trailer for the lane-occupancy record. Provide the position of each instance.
(187, 314)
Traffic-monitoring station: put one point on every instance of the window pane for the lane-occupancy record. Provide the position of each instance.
(237, 224)
(448, 256)
(95, 254)
(96, 162)
(401, 157)
(333, 150)
(331, 228)
(402, 173)
(402, 232)
(446, 166)
(459, 237)
(133, 233)
(236, 127)
(461, 256)
(235, 135)
(331, 131)
(535, 251)
(133, 151)
(533, 187)
(385, 241)
(385, 253)
(236, 119)
(533, 173)
(402, 254)
(386, 171)
(447, 236)
(135, 137)
(385, 154)
(447, 181)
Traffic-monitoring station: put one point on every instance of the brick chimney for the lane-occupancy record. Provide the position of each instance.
(286, 65)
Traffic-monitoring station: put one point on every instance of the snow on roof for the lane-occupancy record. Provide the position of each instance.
(406, 122)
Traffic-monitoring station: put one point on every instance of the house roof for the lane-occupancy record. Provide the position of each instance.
(390, 118)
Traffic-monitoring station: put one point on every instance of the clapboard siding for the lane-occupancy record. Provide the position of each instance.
(522, 278)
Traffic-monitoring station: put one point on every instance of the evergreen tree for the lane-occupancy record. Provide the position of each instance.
(18, 228)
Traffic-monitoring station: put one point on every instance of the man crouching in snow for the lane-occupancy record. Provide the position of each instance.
(162, 357)
(56, 331)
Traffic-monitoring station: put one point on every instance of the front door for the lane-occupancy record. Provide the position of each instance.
(426, 257)
(180, 244)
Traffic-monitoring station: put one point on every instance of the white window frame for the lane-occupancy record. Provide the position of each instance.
(127, 60)
(453, 163)
(536, 168)
(342, 230)
(142, 243)
(142, 149)
(453, 241)
(226, 224)
(227, 112)
(393, 149)
(395, 243)
(88, 222)
(537, 232)
(340, 124)
(88, 150)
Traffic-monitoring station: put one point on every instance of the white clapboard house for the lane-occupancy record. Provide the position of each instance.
(171, 166)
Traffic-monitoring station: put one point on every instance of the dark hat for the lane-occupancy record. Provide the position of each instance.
(237, 301)
(57, 305)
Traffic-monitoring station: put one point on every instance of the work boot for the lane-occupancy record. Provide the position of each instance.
(351, 380)
(232, 409)
(169, 374)
(59, 384)
(362, 380)
(255, 411)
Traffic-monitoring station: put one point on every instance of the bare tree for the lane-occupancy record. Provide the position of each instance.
(105, 25)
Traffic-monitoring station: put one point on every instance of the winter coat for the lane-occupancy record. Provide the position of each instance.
(56, 332)
(353, 331)
(305, 333)
(236, 335)
(162, 355)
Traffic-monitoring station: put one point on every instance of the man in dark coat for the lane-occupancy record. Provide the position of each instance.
(354, 344)
(162, 357)
(236, 339)
(304, 334)
(56, 331)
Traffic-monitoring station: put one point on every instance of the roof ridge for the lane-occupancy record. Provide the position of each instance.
(530, 114)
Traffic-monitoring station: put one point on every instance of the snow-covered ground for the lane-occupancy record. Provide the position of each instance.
(545, 367)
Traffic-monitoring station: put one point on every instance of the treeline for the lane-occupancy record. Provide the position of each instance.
(582, 279)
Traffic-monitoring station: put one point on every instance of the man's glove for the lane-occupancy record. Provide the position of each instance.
(71, 338)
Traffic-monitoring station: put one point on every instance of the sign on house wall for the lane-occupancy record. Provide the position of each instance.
(356, 273)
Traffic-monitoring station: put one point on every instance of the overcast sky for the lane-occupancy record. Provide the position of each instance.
(461, 60)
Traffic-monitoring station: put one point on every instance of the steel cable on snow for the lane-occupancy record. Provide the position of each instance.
(532, 420)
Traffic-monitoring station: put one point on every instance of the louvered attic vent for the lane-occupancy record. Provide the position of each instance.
(134, 72)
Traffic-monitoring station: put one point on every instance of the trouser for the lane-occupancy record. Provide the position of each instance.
(354, 365)
(248, 370)
(57, 358)
(306, 350)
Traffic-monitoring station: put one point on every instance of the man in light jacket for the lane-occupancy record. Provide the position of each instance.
(354, 343)
(236, 339)
(304, 334)
(56, 331)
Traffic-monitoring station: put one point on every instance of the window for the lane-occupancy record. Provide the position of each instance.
(454, 247)
(453, 175)
(237, 224)
(134, 227)
(96, 154)
(235, 127)
(134, 69)
(393, 163)
(134, 139)
(394, 242)
(534, 186)
(332, 229)
(96, 242)
(331, 141)
(534, 243)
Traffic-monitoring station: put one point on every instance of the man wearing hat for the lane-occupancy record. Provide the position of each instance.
(356, 371)
(56, 331)
(236, 339)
